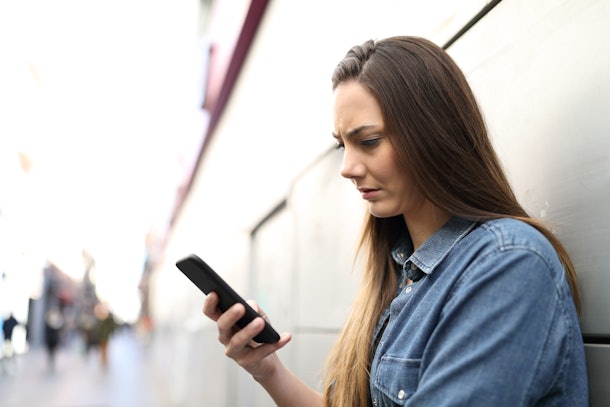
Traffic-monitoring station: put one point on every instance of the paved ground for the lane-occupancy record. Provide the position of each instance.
(131, 379)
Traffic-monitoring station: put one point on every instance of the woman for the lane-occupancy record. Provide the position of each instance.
(465, 300)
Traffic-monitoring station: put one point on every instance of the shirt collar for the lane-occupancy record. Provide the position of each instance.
(435, 248)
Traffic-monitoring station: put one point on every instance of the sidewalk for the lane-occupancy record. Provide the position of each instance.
(79, 380)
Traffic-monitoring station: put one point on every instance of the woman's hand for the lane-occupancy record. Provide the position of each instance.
(257, 359)
(260, 360)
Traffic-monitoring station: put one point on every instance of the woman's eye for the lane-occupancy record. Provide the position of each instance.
(370, 142)
(340, 146)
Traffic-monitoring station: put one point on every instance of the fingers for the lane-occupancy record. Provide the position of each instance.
(241, 340)
(248, 354)
(256, 308)
(238, 343)
(225, 321)
(226, 324)
(210, 306)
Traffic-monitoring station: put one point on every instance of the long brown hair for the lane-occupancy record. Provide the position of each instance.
(437, 130)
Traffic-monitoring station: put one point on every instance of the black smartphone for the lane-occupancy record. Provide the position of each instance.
(206, 279)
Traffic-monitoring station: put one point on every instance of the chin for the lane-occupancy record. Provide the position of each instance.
(380, 212)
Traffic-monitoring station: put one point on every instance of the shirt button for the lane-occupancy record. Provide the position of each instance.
(401, 395)
(413, 266)
(408, 290)
(375, 402)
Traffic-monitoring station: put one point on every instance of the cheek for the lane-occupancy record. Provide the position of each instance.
(392, 172)
(402, 184)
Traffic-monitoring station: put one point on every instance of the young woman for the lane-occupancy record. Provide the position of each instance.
(465, 300)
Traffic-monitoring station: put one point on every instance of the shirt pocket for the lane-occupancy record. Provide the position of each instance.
(397, 379)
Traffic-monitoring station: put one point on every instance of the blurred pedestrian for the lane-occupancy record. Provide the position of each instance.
(87, 324)
(7, 331)
(7, 349)
(54, 322)
(106, 325)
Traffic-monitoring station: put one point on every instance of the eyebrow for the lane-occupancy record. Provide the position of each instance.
(354, 132)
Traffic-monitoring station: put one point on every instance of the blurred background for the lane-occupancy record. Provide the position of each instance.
(134, 133)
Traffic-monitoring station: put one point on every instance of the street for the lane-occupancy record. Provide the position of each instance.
(79, 380)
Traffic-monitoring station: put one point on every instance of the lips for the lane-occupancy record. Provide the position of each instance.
(368, 193)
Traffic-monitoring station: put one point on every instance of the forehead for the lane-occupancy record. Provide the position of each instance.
(355, 106)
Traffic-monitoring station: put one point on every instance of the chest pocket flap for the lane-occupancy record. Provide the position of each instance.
(397, 378)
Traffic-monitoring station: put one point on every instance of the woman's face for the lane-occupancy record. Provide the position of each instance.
(369, 158)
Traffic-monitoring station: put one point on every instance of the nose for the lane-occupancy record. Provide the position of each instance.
(352, 167)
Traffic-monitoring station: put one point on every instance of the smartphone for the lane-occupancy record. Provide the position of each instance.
(206, 279)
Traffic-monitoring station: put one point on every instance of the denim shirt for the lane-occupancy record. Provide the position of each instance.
(488, 321)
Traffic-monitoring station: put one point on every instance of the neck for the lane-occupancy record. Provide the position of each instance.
(425, 223)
